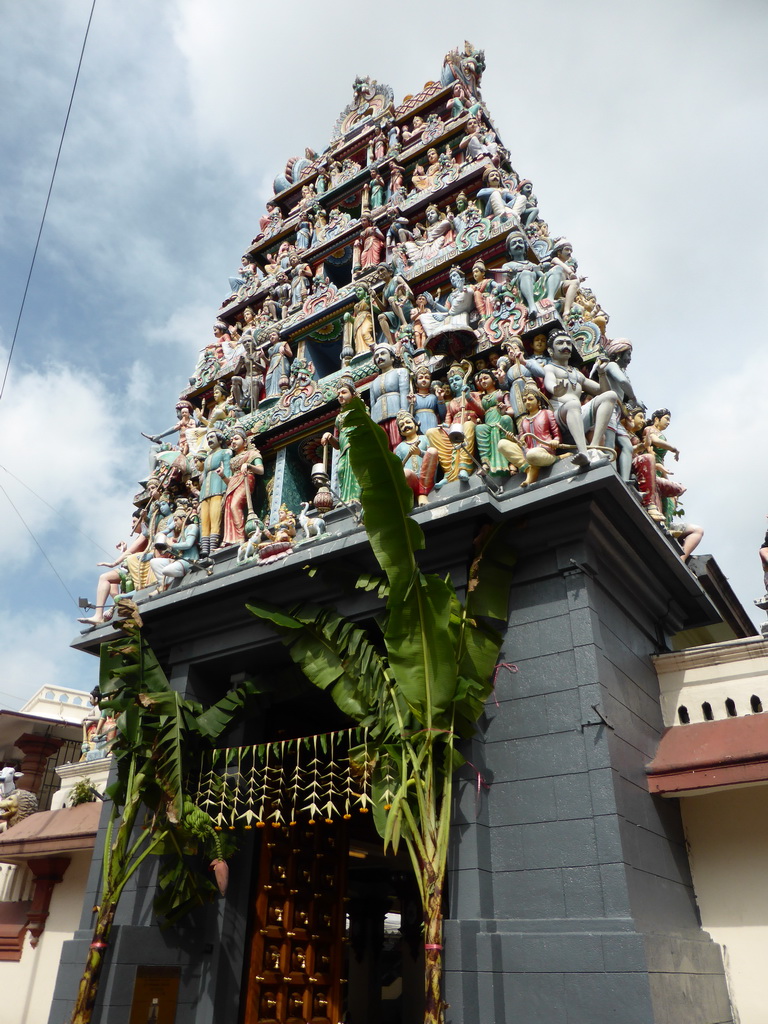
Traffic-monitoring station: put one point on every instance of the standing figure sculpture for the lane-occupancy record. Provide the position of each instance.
(484, 289)
(349, 488)
(279, 366)
(245, 465)
(652, 477)
(388, 392)
(656, 441)
(368, 247)
(619, 353)
(566, 385)
(419, 459)
(212, 488)
(428, 410)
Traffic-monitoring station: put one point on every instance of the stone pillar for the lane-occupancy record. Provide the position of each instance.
(36, 750)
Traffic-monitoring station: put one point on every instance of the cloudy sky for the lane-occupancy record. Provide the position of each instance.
(642, 126)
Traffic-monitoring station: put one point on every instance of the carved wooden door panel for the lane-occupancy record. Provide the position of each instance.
(296, 955)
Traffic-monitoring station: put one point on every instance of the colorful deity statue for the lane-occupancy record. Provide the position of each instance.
(656, 441)
(452, 316)
(419, 459)
(424, 403)
(348, 487)
(245, 466)
(653, 478)
(619, 353)
(565, 386)
(176, 554)
(369, 246)
(539, 433)
(455, 438)
(397, 300)
(388, 392)
(438, 233)
(497, 447)
(522, 272)
(216, 469)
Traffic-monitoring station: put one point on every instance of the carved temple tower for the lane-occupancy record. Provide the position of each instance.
(403, 261)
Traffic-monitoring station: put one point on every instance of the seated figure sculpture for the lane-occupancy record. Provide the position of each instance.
(565, 385)
(452, 316)
(539, 433)
(455, 438)
(521, 271)
(438, 233)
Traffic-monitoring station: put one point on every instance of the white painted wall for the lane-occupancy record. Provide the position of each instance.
(727, 834)
(27, 986)
(737, 669)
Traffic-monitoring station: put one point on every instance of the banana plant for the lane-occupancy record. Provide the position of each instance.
(158, 734)
(418, 680)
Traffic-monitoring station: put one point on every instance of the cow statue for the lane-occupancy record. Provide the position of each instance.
(15, 804)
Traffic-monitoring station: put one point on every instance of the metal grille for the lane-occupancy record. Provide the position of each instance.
(68, 752)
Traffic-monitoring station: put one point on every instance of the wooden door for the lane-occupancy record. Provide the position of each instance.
(296, 955)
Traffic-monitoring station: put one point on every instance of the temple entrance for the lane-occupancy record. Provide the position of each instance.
(335, 930)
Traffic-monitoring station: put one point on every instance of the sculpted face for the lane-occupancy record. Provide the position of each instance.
(432, 216)
(432, 156)
(560, 347)
(478, 273)
(531, 403)
(248, 315)
(456, 278)
(539, 344)
(423, 378)
(212, 440)
(663, 423)
(237, 443)
(484, 381)
(407, 425)
(516, 247)
(382, 358)
(638, 421)
(344, 395)
(456, 383)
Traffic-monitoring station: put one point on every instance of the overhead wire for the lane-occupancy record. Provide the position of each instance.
(47, 201)
(56, 511)
(39, 546)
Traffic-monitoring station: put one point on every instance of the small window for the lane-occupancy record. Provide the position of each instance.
(730, 708)
(77, 700)
(49, 694)
(63, 698)
(682, 714)
(706, 710)
(756, 704)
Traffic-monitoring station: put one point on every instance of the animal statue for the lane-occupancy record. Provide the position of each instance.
(313, 526)
(254, 533)
(15, 804)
